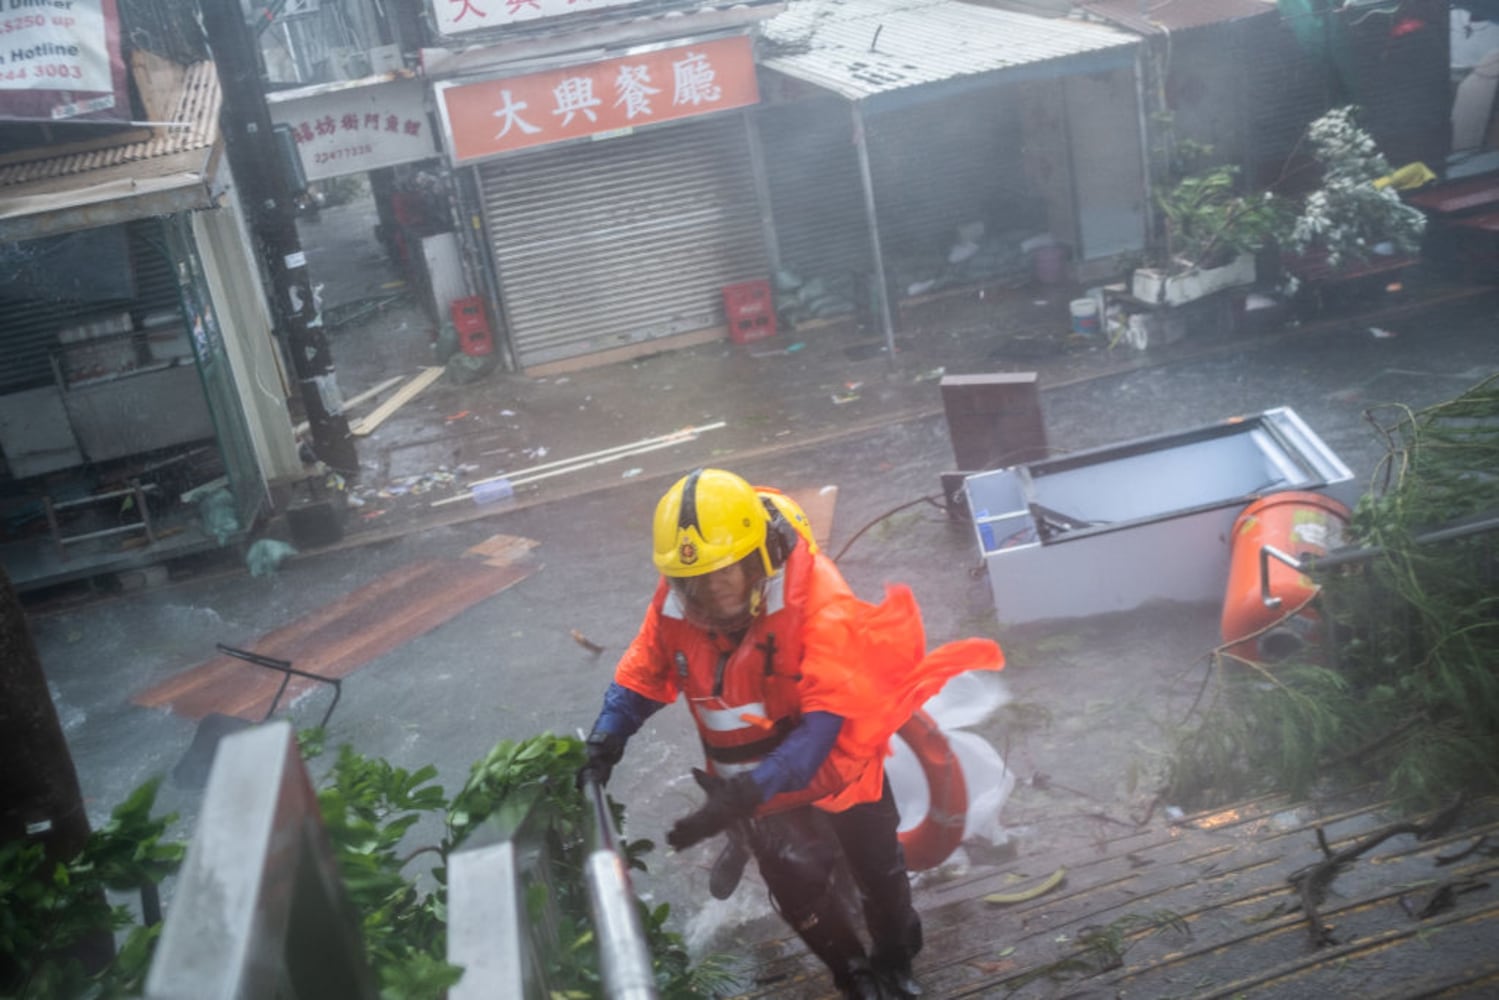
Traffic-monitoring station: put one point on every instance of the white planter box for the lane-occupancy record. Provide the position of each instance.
(1156, 287)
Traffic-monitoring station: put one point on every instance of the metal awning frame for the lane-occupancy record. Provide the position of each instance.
(861, 108)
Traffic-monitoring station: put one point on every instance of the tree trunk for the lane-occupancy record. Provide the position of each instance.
(39, 795)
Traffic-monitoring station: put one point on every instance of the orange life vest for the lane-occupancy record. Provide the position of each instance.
(813, 646)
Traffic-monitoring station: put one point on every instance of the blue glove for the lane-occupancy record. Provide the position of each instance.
(728, 802)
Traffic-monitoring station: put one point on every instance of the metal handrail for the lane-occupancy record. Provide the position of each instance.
(287, 670)
(1339, 558)
(624, 958)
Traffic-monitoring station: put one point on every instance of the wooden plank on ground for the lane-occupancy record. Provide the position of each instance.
(1207, 908)
(356, 399)
(335, 640)
(402, 396)
(501, 550)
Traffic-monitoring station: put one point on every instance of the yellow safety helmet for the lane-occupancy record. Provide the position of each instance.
(709, 519)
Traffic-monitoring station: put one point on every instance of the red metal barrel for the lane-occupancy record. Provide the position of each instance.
(1297, 524)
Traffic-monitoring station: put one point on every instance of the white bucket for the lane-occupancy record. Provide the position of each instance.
(1085, 316)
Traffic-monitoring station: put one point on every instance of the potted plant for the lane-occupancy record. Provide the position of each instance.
(1212, 235)
(1354, 215)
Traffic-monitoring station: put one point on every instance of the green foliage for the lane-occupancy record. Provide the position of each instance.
(1348, 214)
(1414, 702)
(49, 909)
(1209, 223)
(537, 774)
(368, 808)
(372, 811)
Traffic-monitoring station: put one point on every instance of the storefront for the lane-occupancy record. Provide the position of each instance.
(378, 129)
(618, 196)
(138, 373)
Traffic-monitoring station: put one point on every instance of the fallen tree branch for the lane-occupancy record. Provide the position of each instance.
(1447, 859)
(1312, 882)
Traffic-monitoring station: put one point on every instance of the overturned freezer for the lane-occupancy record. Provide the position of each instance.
(1113, 528)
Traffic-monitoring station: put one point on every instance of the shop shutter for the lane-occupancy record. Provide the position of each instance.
(816, 196)
(605, 244)
(28, 333)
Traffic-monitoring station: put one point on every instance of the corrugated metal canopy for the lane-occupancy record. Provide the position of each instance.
(863, 48)
(165, 169)
(1156, 16)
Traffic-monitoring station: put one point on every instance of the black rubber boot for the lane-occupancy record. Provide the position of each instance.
(897, 940)
(859, 982)
(895, 973)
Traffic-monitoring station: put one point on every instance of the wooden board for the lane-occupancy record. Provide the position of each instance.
(818, 504)
(1204, 907)
(337, 639)
(356, 399)
(502, 550)
(402, 396)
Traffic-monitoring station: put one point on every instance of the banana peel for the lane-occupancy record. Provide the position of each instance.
(1025, 895)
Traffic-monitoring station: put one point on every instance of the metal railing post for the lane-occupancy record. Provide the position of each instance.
(260, 910)
(624, 959)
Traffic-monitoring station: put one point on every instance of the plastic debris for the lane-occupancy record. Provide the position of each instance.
(216, 511)
(1380, 333)
(631, 473)
(266, 555)
(839, 398)
(492, 491)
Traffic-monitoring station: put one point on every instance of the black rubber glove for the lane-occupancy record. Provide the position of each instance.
(728, 801)
(604, 751)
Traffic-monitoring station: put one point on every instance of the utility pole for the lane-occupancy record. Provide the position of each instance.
(257, 167)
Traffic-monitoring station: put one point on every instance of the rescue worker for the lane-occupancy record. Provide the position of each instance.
(796, 687)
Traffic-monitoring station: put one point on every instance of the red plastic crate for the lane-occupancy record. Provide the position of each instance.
(472, 325)
(750, 310)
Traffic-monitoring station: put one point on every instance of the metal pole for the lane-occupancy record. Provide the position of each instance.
(866, 178)
(624, 959)
(266, 197)
(762, 188)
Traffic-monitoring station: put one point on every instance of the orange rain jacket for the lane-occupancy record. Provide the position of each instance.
(813, 647)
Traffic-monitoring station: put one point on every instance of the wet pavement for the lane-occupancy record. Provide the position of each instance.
(1100, 693)
(567, 434)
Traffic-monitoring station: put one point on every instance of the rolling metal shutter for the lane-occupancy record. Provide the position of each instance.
(29, 329)
(611, 243)
(816, 196)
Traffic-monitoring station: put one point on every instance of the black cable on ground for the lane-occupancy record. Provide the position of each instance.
(933, 500)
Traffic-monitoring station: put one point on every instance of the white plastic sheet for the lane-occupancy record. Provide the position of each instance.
(967, 700)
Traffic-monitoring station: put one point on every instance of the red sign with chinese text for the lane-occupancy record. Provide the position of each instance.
(499, 116)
